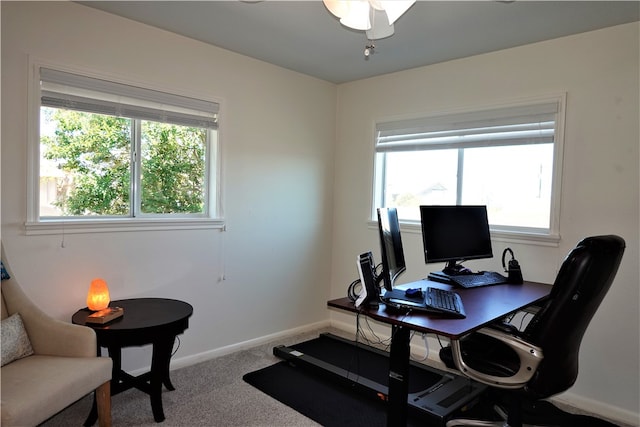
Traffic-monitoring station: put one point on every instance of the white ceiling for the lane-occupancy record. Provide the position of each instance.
(303, 36)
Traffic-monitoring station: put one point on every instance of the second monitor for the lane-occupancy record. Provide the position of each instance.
(454, 234)
(393, 264)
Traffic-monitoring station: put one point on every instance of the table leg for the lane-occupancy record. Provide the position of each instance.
(399, 354)
(115, 353)
(160, 374)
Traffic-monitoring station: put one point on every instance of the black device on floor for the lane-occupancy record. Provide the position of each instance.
(432, 393)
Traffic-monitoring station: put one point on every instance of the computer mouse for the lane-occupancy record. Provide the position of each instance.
(465, 271)
(414, 293)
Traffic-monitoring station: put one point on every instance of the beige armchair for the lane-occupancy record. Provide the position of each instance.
(60, 366)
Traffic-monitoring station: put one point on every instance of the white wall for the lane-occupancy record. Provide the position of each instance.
(599, 72)
(277, 133)
(280, 163)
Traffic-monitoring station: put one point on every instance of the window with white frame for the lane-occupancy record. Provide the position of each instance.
(112, 151)
(506, 158)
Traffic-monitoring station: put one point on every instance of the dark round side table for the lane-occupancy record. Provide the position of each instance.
(155, 321)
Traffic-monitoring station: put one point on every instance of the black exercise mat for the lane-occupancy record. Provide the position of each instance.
(325, 401)
(335, 403)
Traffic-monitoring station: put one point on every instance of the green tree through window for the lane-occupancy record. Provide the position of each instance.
(96, 155)
(173, 168)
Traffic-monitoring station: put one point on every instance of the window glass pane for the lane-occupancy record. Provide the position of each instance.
(173, 168)
(84, 163)
(419, 177)
(513, 181)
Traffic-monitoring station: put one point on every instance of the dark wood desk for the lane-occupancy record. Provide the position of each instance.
(482, 305)
(155, 321)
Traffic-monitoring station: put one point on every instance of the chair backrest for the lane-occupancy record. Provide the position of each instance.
(584, 278)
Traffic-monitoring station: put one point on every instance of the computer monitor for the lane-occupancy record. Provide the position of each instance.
(393, 263)
(453, 234)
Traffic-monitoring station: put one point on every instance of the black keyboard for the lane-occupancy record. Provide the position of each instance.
(442, 300)
(474, 280)
(431, 300)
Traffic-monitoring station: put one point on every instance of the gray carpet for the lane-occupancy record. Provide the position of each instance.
(210, 393)
(207, 394)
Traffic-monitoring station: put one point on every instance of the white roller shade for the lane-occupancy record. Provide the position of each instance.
(60, 89)
(530, 124)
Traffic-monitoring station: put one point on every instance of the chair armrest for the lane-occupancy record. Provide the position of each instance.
(530, 357)
(48, 336)
(54, 337)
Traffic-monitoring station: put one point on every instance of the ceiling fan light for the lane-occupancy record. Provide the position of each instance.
(376, 17)
(357, 16)
(336, 7)
(395, 8)
(380, 27)
(378, 32)
(376, 4)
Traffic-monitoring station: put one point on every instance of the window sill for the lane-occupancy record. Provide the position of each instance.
(119, 225)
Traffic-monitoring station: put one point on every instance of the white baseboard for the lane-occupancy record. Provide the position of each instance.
(181, 362)
(417, 347)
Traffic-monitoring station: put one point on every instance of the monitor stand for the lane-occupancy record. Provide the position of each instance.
(439, 276)
(451, 269)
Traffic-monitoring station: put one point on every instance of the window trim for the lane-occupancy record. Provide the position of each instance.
(76, 226)
(511, 234)
(211, 218)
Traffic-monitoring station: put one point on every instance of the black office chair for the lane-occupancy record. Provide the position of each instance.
(526, 366)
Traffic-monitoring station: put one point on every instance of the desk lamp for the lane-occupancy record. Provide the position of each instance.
(98, 296)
